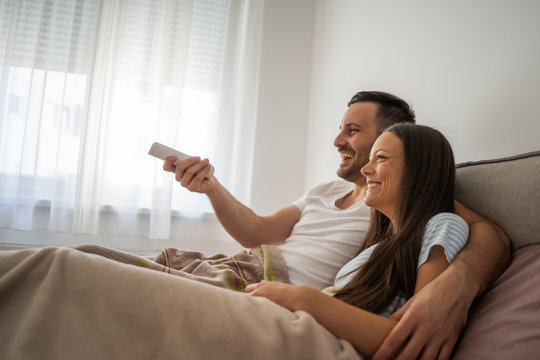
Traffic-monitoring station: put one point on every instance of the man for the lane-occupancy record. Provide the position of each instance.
(304, 230)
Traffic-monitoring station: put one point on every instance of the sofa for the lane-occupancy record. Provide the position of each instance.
(504, 323)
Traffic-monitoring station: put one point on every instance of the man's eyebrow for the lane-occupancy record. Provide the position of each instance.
(349, 124)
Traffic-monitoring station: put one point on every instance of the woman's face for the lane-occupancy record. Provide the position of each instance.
(384, 173)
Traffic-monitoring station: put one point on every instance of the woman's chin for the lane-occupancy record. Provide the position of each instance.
(373, 204)
(372, 199)
(382, 209)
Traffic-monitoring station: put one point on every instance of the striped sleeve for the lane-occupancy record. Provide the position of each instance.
(447, 230)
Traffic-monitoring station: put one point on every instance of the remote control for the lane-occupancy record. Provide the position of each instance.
(162, 152)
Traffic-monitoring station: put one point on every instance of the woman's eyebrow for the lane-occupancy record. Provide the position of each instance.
(380, 149)
(375, 151)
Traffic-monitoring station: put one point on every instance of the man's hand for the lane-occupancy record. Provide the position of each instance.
(430, 323)
(190, 173)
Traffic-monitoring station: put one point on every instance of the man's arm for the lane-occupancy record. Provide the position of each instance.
(433, 319)
(248, 228)
(487, 253)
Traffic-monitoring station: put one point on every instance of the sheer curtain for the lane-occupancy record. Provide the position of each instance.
(87, 85)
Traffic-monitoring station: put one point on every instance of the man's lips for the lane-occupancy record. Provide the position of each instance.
(346, 155)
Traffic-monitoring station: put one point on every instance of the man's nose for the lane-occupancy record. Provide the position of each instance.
(338, 141)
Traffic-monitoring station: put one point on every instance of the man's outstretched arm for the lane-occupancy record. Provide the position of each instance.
(430, 324)
(244, 225)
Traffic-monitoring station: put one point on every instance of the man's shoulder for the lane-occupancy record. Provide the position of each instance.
(337, 185)
(327, 191)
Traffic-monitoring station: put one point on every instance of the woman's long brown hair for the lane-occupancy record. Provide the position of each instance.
(427, 189)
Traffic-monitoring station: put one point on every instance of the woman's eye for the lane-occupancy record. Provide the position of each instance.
(381, 157)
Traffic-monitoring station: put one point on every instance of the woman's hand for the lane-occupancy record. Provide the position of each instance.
(291, 297)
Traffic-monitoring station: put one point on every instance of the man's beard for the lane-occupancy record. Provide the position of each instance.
(352, 173)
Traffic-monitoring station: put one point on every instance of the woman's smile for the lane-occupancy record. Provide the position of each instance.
(371, 185)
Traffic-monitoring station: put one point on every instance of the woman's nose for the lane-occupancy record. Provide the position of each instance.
(367, 169)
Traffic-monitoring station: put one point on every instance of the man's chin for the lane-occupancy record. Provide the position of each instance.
(350, 176)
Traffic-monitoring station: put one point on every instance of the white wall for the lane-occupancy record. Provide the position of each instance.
(285, 77)
(469, 68)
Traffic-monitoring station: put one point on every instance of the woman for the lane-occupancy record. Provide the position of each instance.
(414, 235)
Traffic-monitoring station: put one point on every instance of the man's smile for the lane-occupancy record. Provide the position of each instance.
(346, 155)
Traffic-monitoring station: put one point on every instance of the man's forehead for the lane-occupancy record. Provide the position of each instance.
(360, 114)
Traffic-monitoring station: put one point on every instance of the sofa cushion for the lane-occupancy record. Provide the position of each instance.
(505, 322)
(506, 191)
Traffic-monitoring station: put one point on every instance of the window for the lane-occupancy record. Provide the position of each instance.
(88, 85)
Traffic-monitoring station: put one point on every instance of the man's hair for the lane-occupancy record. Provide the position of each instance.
(392, 110)
(427, 188)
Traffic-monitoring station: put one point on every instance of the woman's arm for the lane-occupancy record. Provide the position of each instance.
(364, 330)
(433, 267)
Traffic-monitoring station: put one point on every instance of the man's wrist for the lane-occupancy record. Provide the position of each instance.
(462, 281)
(213, 191)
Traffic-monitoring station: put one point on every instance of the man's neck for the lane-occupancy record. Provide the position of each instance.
(351, 198)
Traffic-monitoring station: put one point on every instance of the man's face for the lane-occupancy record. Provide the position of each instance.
(358, 132)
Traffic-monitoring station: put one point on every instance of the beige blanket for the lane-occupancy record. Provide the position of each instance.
(60, 303)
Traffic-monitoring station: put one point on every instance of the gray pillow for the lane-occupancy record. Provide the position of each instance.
(505, 191)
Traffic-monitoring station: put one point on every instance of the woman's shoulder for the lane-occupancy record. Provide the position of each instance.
(447, 230)
(446, 218)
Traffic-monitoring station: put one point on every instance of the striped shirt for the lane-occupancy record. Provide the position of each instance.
(445, 229)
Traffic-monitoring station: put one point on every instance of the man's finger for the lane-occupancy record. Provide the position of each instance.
(446, 350)
(431, 351)
(201, 174)
(168, 164)
(414, 347)
(400, 312)
(189, 174)
(393, 342)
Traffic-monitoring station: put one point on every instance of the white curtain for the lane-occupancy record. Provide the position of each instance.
(87, 85)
